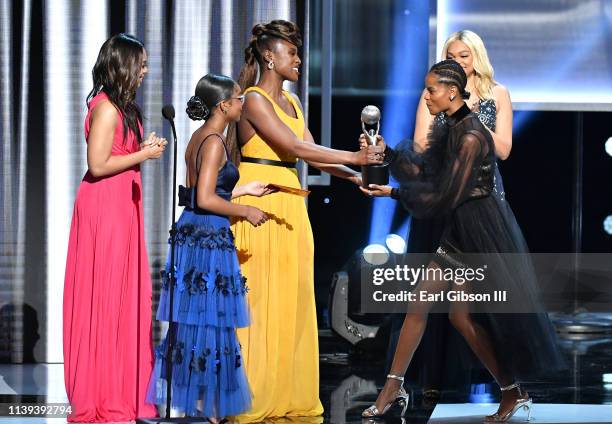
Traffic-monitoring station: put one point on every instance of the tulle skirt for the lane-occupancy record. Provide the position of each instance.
(209, 304)
(522, 334)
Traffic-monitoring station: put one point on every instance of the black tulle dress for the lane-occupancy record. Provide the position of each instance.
(443, 359)
(454, 181)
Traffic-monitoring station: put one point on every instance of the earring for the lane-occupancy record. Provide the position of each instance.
(452, 98)
(224, 111)
(270, 65)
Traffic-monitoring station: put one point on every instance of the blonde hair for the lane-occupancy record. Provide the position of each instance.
(483, 78)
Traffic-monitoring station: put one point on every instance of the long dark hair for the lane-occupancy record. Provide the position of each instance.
(116, 73)
(263, 37)
(210, 90)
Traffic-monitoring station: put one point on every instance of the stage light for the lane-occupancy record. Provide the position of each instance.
(344, 304)
(375, 254)
(396, 244)
(607, 224)
(481, 393)
(346, 327)
(609, 146)
(404, 83)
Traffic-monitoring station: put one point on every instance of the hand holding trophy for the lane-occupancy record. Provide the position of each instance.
(373, 174)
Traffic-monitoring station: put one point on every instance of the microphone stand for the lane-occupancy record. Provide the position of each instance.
(168, 113)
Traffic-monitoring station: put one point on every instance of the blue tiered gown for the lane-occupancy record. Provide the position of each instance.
(209, 304)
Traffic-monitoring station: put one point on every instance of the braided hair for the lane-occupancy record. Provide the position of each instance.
(451, 73)
(262, 39)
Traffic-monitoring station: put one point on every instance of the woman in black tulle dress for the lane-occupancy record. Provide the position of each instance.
(490, 101)
(454, 179)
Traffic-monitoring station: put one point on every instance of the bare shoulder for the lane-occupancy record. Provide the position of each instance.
(104, 116)
(208, 145)
(254, 99)
(105, 111)
(502, 97)
(212, 142)
(500, 91)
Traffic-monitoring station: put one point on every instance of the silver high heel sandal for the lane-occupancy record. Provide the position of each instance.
(523, 402)
(401, 399)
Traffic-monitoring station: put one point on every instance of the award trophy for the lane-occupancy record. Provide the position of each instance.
(372, 174)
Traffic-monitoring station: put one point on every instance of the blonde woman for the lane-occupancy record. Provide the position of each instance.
(488, 99)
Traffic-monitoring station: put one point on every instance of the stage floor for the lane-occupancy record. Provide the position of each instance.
(349, 383)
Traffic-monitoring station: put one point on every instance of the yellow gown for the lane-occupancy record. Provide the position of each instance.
(280, 347)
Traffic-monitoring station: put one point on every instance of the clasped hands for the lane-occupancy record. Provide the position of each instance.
(155, 145)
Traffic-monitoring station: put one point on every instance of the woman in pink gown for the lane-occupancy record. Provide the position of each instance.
(107, 290)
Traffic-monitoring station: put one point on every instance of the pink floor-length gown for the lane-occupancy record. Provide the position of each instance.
(108, 354)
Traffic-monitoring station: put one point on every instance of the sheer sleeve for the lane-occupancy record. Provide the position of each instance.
(404, 163)
(426, 197)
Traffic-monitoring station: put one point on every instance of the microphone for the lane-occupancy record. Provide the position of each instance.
(168, 113)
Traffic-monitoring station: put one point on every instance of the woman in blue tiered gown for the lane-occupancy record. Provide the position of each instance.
(209, 298)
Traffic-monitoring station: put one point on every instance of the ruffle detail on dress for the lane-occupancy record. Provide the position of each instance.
(207, 366)
(205, 238)
(209, 288)
(205, 299)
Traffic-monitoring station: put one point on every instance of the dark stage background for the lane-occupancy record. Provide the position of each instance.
(380, 51)
(537, 179)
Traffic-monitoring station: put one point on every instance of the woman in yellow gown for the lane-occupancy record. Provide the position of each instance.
(280, 348)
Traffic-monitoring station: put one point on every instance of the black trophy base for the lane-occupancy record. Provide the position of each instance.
(375, 174)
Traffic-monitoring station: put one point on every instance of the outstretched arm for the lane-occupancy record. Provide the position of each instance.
(337, 170)
(261, 115)
(424, 198)
(254, 188)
